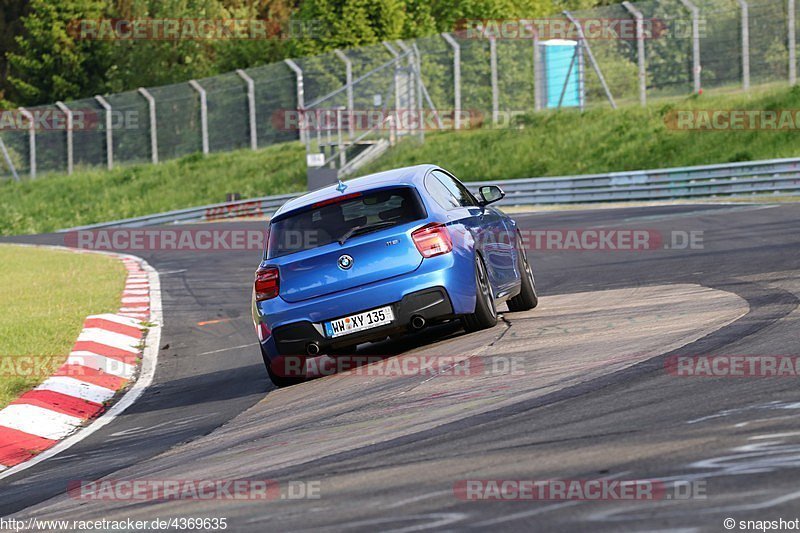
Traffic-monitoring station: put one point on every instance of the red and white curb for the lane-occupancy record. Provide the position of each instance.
(44, 421)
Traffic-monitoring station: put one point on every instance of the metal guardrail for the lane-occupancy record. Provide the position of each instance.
(241, 208)
(752, 178)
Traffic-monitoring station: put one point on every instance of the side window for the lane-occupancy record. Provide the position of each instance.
(456, 188)
(440, 193)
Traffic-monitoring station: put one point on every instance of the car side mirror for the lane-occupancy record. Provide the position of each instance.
(490, 194)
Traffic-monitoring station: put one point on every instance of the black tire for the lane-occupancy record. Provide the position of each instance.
(485, 315)
(282, 381)
(277, 379)
(527, 297)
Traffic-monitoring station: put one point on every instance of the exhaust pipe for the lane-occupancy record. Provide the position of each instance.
(417, 322)
(312, 348)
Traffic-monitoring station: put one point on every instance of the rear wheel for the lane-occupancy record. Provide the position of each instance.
(277, 373)
(527, 297)
(485, 315)
(282, 381)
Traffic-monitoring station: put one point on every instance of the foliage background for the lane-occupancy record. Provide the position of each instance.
(41, 62)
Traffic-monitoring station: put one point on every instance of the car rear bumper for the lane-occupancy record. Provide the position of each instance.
(453, 274)
(430, 304)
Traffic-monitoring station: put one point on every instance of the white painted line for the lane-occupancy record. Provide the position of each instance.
(100, 362)
(38, 421)
(775, 435)
(118, 319)
(143, 316)
(149, 363)
(413, 499)
(139, 309)
(229, 349)
(76, 388)
(109, 338)
(135, 299)
(135, 292)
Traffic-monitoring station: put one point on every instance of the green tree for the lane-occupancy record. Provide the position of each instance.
(50, 62)
(11, 12)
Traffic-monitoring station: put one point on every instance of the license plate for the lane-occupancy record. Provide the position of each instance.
(359, 322)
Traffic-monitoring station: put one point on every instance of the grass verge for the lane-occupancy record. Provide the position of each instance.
(599, 140)
(45, 295)
(58, 201)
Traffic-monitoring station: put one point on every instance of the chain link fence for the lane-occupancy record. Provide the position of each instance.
(486, 72)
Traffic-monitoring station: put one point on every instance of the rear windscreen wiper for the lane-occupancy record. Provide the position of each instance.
(363, 229)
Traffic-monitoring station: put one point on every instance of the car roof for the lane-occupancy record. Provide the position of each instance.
(398, 176)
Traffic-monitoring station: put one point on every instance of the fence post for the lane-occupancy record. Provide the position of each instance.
(695, 42)
(396, 55)
(792, 44)
(298, 72)
(424, 90)
(415, 64)
(348, 72)
(581, 74)
(339, 139)
(537, 72)
(583, 42)
(456, 78)
(151, 103)
(417, 59)
(109, 131)
(745, 45)
(203, 113)
(495, 87)
(31, 140)
(640, 57)
(251, 107)
(68, 114)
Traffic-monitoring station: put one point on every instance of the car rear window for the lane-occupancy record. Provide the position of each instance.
(331, 221)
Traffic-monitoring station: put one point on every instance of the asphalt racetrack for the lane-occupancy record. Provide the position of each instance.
(592, 397)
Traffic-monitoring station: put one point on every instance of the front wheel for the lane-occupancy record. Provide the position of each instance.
(485, 315)
(527, 297)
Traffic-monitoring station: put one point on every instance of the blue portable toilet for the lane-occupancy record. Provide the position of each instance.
(558, 55)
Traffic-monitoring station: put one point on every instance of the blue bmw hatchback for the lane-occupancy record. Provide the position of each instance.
(381, 255)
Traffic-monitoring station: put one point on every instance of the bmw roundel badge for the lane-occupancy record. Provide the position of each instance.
(345, 262)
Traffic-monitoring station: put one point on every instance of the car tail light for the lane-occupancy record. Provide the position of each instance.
(432, 240)
(336, 200)
(267, 283)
